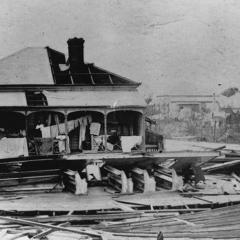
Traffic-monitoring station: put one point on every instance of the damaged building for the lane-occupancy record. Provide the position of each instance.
(51, 104)
(67, 125)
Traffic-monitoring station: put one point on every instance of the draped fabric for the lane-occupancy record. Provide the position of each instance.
(13, 147)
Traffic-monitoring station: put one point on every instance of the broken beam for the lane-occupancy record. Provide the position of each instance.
(49, 226)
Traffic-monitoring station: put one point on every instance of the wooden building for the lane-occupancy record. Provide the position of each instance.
(50, 104)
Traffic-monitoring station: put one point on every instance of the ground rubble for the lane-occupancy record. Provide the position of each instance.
(202, 202)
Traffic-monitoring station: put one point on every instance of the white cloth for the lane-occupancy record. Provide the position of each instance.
(39, 126)
(93, 171)
(46, 132)
(128, 142)
(95, 128)
(109, 146)
(13, 147)
(70, 125)
(82, 131)
(54, 131)
(62, 128)
(62, 145)
(76, 123)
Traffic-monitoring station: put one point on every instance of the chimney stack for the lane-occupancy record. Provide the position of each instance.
(76, 52)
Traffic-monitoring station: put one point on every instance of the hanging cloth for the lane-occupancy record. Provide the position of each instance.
(68, 150)
(62, 128)
(70, 125)
(76, 123)
(56, 118)
(82, 130)
(49, 121)
(95, 128)
(46, 132)
(54, 131)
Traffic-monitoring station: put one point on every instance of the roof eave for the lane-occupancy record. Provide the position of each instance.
(70, 87)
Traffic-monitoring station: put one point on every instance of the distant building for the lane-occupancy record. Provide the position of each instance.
(193, 102)
(167, 106)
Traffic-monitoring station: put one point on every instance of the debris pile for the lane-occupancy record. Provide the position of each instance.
(168, 199)
(25, 174)
(209, 224)
(217, 176)
(178, 224)
(74, 183)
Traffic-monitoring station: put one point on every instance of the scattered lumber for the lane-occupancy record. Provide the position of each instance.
(235, 176)
(74, 183)
(218, 166)
(44, 233)
(32, 188)
(167, 178)
(30, 174)
(83, 231)
(202, 225)
(87, 217)
(142, 180)
(28, 180)
(207, 224)
(118, 180)
(167, 210)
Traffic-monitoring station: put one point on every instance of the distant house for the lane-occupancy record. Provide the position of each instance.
(167, 106)
(193, 102)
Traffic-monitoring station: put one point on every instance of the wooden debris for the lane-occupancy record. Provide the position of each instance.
(143, 181)
(218, 166)
(46, 232)
(83, 231)
(235, 176)
(207, 224)
(26, 174)
(87, 217)
(203, 225)
(74, 183)
(168, 179)
(118, 180)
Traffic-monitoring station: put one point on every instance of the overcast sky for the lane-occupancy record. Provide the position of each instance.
(172, 47)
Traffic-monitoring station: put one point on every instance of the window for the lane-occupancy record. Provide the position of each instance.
(36, 99)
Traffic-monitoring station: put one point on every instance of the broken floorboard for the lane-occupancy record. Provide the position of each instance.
(221, 223)
(143, 159)
(84, 231)
(58, 202)
(98, 200)
(210, 224)
(174, 199)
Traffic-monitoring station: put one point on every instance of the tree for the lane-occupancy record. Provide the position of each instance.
(148, 99)
(230, 92)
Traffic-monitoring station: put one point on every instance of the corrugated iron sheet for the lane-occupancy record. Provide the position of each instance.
(28, 66)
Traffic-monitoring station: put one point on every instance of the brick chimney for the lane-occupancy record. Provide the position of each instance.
(76, 52)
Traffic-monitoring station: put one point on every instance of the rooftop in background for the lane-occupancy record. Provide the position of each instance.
(46, 66)
(186, 98)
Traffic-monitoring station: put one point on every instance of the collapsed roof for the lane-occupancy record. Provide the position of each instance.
(46, 66)
(41, 76)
